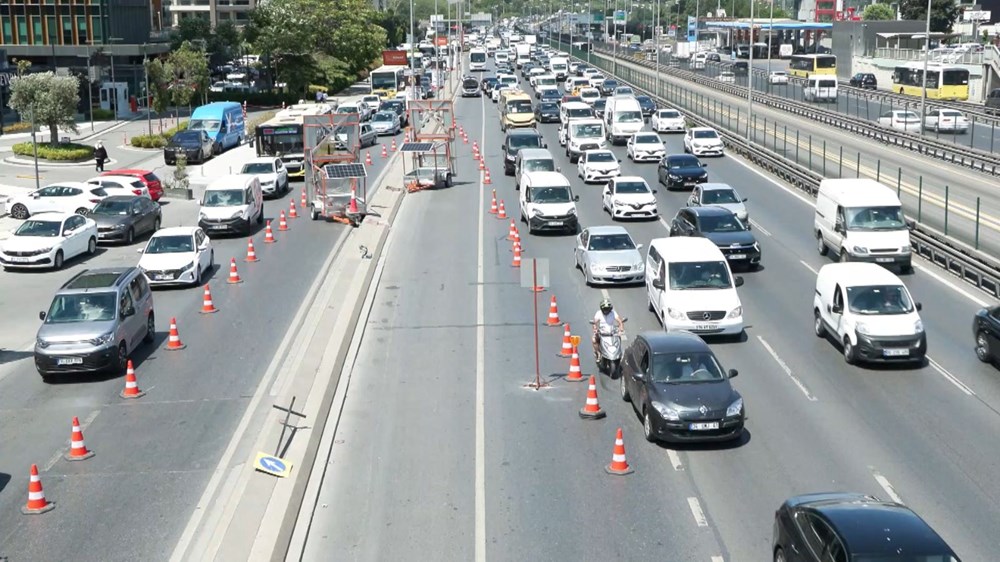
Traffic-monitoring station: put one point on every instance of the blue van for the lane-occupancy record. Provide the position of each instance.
(223, 121)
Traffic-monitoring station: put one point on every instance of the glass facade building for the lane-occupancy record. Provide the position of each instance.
(53, 22)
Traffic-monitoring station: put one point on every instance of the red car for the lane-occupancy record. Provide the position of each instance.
(152, 183)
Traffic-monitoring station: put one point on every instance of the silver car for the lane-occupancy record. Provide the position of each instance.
(385, 123)
(720, 195)
(608, 255)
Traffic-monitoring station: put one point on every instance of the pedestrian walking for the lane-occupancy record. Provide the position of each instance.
(100, 156)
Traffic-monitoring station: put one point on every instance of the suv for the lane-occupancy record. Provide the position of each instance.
(515, 141)
(95, 322)
(864, 80)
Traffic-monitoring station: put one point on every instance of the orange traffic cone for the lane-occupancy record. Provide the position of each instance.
(303, 200)
(553, 313)
(493, 203)
(512, 233)
(368, 158)
(384, 153)
(591, 409)
(207, 306)
(482, 163)
(502, 212)
(517, 235)
(475, 147)
(282, 223)
(234, 275)
(516, 262)
(352, 207)
(251, 252)
(486, 177)
(575, 374)
(77, 448)
(292, 211)
(174, 342)
(268, 234)
(131, 389)
(36, 496)
(567, 343)
(619, 465)
(465, 139)
(392, 148)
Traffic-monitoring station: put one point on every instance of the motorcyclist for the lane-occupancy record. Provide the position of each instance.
(604, 320)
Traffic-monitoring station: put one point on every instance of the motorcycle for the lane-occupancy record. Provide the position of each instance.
(611, 350)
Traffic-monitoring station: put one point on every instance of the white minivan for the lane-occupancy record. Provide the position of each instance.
(820, 87)
(232, 204)
(869, 312)
(690, 287)
(862, 220)
(547, 202)
(622, 119)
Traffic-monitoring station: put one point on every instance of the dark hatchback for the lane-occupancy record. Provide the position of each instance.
(515, 141)
(849, 526)
(647, 105)
(681, 170)
(721, 226)
(120, 218)
(470, 88)
(680, 390)
(194, 146)
(986, 330)
(608, 87)
(547, 112)
(599, 107)
(865, 81)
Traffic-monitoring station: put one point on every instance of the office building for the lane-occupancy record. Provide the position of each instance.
(215, 11)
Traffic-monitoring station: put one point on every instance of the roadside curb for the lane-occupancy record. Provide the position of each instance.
(45, 164)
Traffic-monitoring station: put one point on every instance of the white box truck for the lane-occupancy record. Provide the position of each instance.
(523, 54)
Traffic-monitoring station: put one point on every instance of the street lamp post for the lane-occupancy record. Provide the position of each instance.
(927, 55)
(656, 45)
(750, 78)
(114, 85)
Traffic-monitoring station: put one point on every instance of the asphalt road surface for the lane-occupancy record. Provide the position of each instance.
(442, 451)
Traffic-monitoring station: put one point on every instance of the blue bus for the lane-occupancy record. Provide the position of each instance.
(223, 121)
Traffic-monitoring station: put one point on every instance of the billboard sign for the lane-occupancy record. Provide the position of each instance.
(692, 31)
(619, 16)
(394, 58)
(976, 15)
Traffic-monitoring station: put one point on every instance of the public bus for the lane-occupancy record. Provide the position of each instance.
(283, 135)
(804, 65)
(388, 80)
(477, 59)
(944, 82)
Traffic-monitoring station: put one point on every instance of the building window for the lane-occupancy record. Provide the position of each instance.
(96, 29)
(67, 30)
(22, 31)
(36, 30)
(81, 30)
(8, 35)
(52, 28)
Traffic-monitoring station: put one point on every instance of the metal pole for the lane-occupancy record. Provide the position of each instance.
(90, 91)
(770, 37)
(534, 307)
(656, 45)
(750, 81)
(149, 113)
(114, 86)
(34, 146)
(923, 90)
(413, 55)
(946, 190)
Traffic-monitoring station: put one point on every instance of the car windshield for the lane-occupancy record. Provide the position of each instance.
(601, 157)
(623, 91)
(600, 104)
(347, 109)
(82, 307)
(519, 106)
(630, 117)
(39, 228)
(548, 106)
(631, 187)
(678, 162)
(610, 243)
(645, 102)
(875, 218)
(669, 114)
(706, 134)
(699, 275)
(204, 125)
(555, 194)
(470, 84)
(580, 113)
(590, 94)
(171, 244)
(524, 141)
(223, 198)
(721, 223)
(258, 168)
(647, 139)
(879, 299)
(384, 116)
(687, 367)
(540, 165)
(187, 137)
(719, 197)
(610, 83)
(588, 130)
(112, 208)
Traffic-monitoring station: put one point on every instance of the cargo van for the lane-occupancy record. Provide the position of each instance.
(869, 312)
(862, 220)
(516, 111)
(232, 203)
(559, 66)
(820, 87)
(547, 202)
(223, 121)
(583, 135)
(532, 160)
(622, 119)
(690, 287)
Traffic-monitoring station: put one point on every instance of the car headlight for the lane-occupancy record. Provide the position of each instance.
(756, 246)
(119, 227)
(572, 210)
(237, 214)
(735, 409)
(201, 215)
(905, 250)
(862, 328)
(673, 176)
(41, 251)
(41, 343)
(188, 266)
(639, 266)
(666, 412)
(675, 313)
(617, 202)
(102, 339)
(860, 250)
(918, 327)
(736, 312)
(535, 212)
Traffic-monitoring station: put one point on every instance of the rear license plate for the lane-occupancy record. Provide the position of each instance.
(737, 256)
(883, 260)
(704, 327)
(69, 361)
(896, 352)
(217, 227)
(704, 426)
(555, 223)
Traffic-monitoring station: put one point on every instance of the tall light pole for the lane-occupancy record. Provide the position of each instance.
(114, 98)
(656, 45)
(750, 78)
(927, 56)
(413, 55)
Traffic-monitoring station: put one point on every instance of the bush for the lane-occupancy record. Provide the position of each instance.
(22, 127)
(103, 114)
(149, 141)
(70, 152)
(313, 88)
(182, 126)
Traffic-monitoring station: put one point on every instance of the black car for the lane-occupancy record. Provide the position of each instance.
(851, 526)
(721, 226)
(515, 141)
(681, 170)
(551, 95)
(580, 68)
(470, 87)
(713, 57)
(526, 68)
(986, 329)
(608, 87)
(488, 83)
(120, 218)
(547, 112)
(195, 146)
(864, 80)
(741, 68)
(599, 106)
(676, 384)
(399, 106)
(647, 105)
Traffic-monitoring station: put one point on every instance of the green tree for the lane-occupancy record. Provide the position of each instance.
(49, 99)
(160, 78)
(190, 74)
(191, 30)
(878, 12)
(944, 13)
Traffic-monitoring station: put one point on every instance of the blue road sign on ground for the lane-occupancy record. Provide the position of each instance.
(272, 465)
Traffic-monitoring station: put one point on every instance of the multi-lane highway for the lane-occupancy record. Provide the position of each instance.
(441, 450)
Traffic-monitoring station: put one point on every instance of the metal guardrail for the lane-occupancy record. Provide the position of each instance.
(962, 260)
(975, 159)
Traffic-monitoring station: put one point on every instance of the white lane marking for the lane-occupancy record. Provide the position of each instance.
(718, 559)
(62, 450)
(809, 267)
(887, 486)
(951, 285)
(675, 459)
(696, 511)
(664, 223)
(605, 293)
(951, 378)
(480, 532)
(788, 371)
(757, 226)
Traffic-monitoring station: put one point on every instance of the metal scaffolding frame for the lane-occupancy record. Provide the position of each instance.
(330, 141)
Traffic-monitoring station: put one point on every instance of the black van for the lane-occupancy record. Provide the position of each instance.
(741, 68)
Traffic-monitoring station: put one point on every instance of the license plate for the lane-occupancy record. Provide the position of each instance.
(162, 277)
(896, 352)
(737, 256)
(689, 183)
(19, 260)
(704, 426)
(883, 260)
(217, 227)
(555, 223)
(69, 361)
(704, 327)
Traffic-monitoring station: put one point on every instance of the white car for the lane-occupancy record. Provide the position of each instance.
(719, 195)
(497, 90)
(645, 147)
(590, 95)
(629, 197)
(950, 120)
(66, 197)
(591, 71)
(703, 141)
(900, 120)
(777, 77)
(272, 173)
(385, 123)
(179, 255)
(727, 76)
(371, 104)
(596, 166)
(596, 81)
(121, 185)
(47, 240)
(667, 120)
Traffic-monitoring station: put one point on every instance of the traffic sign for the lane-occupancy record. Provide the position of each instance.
(272, 465)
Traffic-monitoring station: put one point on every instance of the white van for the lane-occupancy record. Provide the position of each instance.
(862, 220)
(559, 66)
(622, 119)
(869, 312)
(690, 287)
(575, 110)
(501, 57)
(532, 160)
(232, 204)
(583, 135)
(574, 82)
(543, 80)
(820, 87)
(547, 202)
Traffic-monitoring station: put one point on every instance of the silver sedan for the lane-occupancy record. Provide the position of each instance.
(608, 255)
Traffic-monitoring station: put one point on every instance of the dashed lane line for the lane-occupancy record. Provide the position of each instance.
(697, 512)
(887, 486)
(788, 371)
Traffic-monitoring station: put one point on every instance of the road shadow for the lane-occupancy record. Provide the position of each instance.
(742, 441)
(139, 356)
(11, 356)
(4, 480)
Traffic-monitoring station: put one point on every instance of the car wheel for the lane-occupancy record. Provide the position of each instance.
(844, 256)
(850, 353)
(150, 336)
(779, 555)
(821, 245)
(624, 390)
(122, 358)
(260, 216)
(647, 426)
(19, 211)
(983, 351)
(818, 328)
(57, 262)
(91, 246)
(130, 236)
(156, 225)
(82, 211)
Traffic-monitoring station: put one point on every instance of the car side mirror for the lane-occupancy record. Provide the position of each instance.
(745, 199)
(733, 373)
(911, 225)
(658, 284)
(619, 160)
(836, 309)
(739, 281)
(41, 315)
(919, 307)
(139, 250)
(704, 164)
(545, 145)
(576, 198)
(36, 196)
(655, 192)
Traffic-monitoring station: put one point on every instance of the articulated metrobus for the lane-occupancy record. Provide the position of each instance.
(944, 82)
(803, 66)
(388, 80)
(283, 136)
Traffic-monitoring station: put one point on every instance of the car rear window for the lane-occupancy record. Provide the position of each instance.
(99, 191)
(150, 177)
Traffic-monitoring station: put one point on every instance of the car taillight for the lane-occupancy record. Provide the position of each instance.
(95, 200)
(137, 191)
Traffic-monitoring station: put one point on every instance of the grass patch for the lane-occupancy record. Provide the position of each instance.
(59, 152)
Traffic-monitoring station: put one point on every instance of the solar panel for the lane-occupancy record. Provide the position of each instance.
(344, 171)
(417, 146)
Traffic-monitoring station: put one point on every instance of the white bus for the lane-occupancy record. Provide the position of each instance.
(477, 59)
(389, 80)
